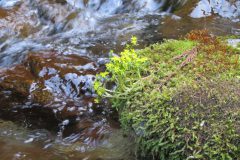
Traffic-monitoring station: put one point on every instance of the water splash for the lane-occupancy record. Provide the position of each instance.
(224, 8)
(9, 3)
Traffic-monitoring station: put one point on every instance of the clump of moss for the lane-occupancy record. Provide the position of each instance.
(180, 97)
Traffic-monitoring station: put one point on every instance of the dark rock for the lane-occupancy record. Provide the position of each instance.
(48, 84)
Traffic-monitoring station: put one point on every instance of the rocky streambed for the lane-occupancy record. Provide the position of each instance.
(50, 52)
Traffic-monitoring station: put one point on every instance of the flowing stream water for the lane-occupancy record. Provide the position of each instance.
(50, 52)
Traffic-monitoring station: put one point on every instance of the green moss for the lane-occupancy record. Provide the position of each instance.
(180, 97)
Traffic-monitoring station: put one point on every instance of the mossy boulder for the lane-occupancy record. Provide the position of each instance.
(181, 98)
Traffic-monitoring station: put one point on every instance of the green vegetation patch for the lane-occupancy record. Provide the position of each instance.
(180, 97)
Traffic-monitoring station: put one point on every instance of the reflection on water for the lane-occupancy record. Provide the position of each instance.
(20, 143)
(50, 52)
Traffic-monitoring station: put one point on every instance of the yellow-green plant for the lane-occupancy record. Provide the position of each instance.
(123, 69)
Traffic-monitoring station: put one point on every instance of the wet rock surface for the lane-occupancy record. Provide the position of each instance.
(52, 81)
(54, 92)
(226, 8)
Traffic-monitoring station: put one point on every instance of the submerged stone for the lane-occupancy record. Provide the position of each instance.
(52, 82)
(55, 92)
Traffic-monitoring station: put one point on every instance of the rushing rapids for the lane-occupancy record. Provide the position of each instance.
(50, 52)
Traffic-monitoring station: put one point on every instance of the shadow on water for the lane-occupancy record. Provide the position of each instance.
(50, 52)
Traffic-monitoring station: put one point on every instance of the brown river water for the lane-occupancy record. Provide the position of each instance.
(50, 52)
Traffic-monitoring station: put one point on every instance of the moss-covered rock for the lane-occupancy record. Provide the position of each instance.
(181, 97)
